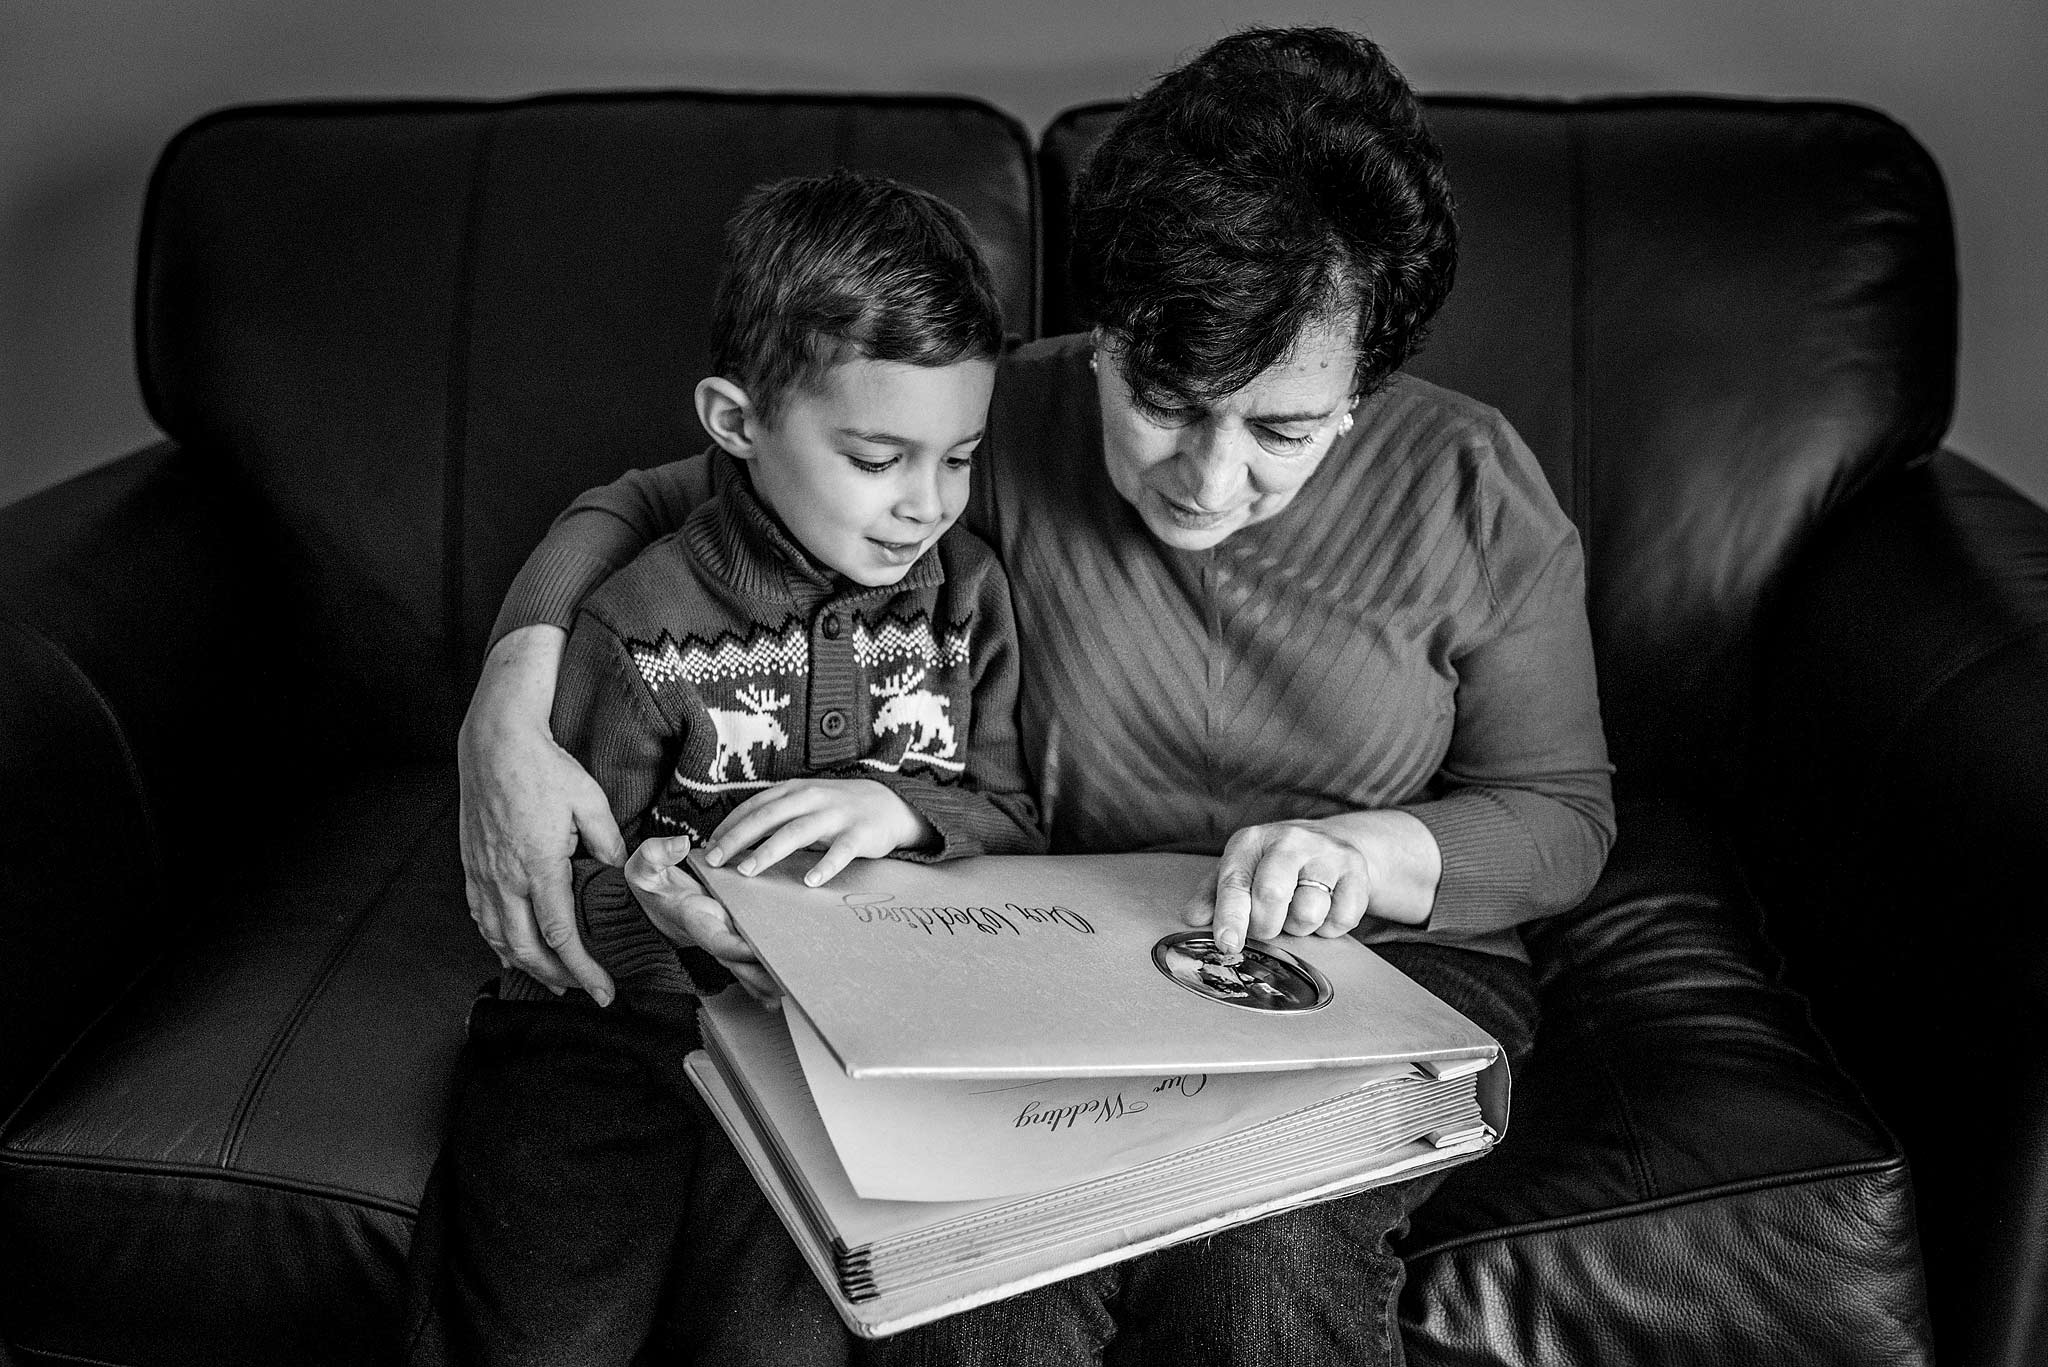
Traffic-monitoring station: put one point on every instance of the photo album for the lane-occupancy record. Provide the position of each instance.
(990, 1074)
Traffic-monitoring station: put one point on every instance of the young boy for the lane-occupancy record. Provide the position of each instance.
(816, 657)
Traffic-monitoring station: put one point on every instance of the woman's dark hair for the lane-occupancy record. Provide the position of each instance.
(1282, 178)
(820, 266)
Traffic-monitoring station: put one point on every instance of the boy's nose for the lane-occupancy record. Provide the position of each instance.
(920, 503)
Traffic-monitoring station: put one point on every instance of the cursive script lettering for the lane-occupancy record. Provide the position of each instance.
(1187, 1084)
(1053, 916)
(881, 909)
(1096, 1110)
(931, 920)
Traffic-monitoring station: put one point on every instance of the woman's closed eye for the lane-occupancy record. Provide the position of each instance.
(1166, 414)
(1282, 443)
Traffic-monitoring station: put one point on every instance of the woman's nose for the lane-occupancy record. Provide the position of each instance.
(1216, 468)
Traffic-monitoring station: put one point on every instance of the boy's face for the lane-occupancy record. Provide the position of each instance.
(870, 467)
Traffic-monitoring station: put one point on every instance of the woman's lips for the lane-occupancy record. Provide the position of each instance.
(1195, 519)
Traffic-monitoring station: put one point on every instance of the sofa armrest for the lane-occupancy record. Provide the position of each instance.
(1902, 827)
(127, 720)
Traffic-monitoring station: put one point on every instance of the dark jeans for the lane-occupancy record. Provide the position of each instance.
(588, 1209)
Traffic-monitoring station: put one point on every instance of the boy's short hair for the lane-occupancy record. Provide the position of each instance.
(820, 266)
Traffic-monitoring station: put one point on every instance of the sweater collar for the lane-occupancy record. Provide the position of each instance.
(742, 542)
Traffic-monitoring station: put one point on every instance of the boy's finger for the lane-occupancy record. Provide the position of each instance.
(832, 861)
(774, 792)
(735, 835)
(803, 831)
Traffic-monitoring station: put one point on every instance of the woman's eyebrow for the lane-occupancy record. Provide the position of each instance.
(1277, 419)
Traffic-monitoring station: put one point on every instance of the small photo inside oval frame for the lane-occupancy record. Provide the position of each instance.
(1264, 978)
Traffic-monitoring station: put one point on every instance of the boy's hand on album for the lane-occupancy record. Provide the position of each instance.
(682, 911)
(850, 819)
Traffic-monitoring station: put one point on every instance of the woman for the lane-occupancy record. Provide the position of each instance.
(1276, 601)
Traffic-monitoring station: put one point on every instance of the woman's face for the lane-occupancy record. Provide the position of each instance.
(1197, 473)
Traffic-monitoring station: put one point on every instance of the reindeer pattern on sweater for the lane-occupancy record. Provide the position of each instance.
(723, 660)
(739, 704)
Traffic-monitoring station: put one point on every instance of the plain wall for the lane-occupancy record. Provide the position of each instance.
(93, 88)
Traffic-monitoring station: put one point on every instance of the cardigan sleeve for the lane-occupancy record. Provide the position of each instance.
(1522, 807)
(595, 537)
(605, 719)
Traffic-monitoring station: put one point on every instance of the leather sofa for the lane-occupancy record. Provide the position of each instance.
(387, 341)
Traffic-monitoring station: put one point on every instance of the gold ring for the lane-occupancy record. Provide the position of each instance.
(1328, 891)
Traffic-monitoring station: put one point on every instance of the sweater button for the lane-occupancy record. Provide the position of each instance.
(831, 627)
(833, 724)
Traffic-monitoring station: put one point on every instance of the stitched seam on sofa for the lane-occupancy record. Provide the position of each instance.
(98, 697)
(1728, 1191)
(252, 1095)
(455, 421)
(1819, 1038)
(69, 1357)
(139, 1168)
(127, 752)
(1638, 1161)
(1034, 226)
(1970, 662)
(1582, 389)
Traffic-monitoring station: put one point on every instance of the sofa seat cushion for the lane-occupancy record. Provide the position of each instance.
(225, 1168)
(1681, 1150)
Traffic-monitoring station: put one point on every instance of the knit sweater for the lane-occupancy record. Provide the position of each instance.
(1409, 632)
(724, 659)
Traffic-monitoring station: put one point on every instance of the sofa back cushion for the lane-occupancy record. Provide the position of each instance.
(1713, 320)
(418, 330)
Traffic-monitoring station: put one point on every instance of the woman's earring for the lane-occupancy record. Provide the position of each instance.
(1344, 424)
(1094, 366)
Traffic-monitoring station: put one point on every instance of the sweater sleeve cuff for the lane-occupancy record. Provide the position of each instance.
(549, 588)
(619, 936)
(1486, 859)
(967, 822)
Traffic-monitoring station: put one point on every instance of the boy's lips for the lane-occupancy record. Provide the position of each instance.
(897, 552)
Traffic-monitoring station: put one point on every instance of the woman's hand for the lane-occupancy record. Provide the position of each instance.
(681, 911)
(854, 818)
(1320, 877)
(524, 802)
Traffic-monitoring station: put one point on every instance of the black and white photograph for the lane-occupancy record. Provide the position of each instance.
(1467, 580)
(1260, 977)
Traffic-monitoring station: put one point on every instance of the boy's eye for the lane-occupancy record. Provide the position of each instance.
(873, 467)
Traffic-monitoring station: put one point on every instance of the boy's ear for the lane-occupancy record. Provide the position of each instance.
(728, 415)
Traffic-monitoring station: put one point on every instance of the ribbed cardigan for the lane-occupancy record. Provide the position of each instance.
(1410, 632)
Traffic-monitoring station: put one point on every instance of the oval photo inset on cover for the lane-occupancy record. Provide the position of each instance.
(1264, 977)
